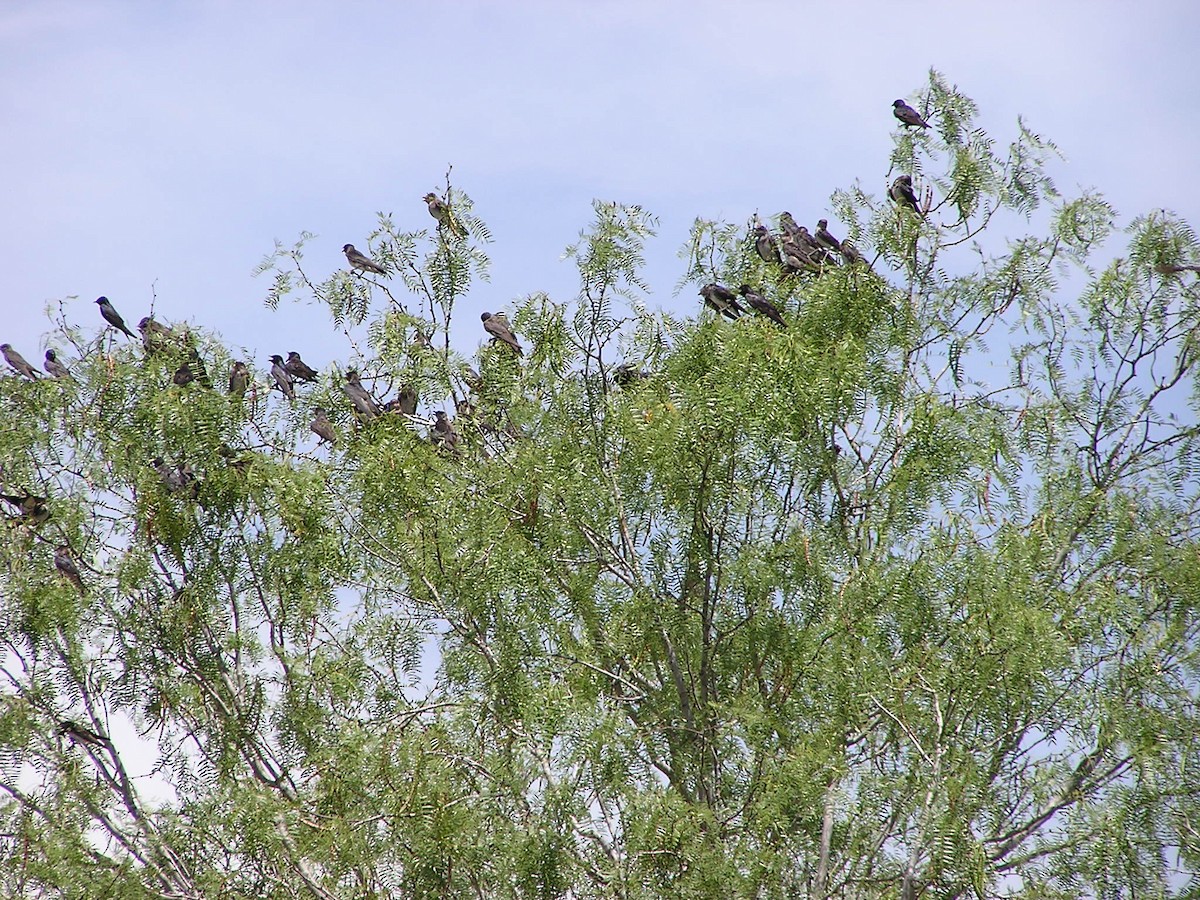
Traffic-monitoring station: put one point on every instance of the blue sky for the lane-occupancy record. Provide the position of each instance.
(165, 146)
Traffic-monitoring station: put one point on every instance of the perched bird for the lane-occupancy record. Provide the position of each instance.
(761, 305)
(282, 379)
(764, 245)
(497, 326)
(322, 427)
(721, 299)
(625, 375)
(788, 224)
(298, 368)
(65, 563)
(1163, 268)
(18, 362)
(239, 377)
(56, 369)
(184, 375)
(81, 733)
(851, 255)
(444, 434)
(441, 211)
(405, 402)
(32, 509)
(178, 480)
(156, 336)
(901, 192)
(112, 317)
(798, 257)
(825, 239)
(810, 244)
(907, 115)
(359, 396)
(363, 263)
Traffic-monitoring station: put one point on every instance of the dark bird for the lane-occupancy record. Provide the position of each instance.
(178, 480)
(282, 379)
(788, 224)
(825, 239)
(626, 374)
(298, 368)
(1163, 268)
(851, 255)
(441, 211)
(112, 317)
(184, 375)
(761, 305)
(239, 377)
(764, 245)
(901, 192)
(797, 257)
(404, 403)
(907, 115)
(81, 733)
(362, 400)
(322, 427)
(18, 362)
(32, 510)
(65, 563)
(497, 326)
(722, 299)
(444, 434)
(56, 369)
(363, 263)
(811, 245)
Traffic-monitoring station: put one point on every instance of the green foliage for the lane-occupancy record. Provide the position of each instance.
(864, 606)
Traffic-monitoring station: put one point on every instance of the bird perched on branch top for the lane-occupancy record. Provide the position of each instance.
(361, 262)
(824, 238)
(497, 326)
(761, 305)
(112, 317)
(18, 362)
(441, 211)
(902, 192)
(359, 396)
(56, 369)
(283, 380)
(298, 368)
(907, 115)
(722, 299)
(764, 245)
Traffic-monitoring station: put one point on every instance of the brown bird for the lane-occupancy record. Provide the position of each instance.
(441, 211)
(56, 369)
(65, 563)
(322, 427)
(444, 435)
(32, 509)
(497, 326)
(81, 734)
(1163, 268)
(907, 115)
(239, 377)
(184, 375)
(362, 400)
(363, 263)
(788, 224)
(18, 362)
(851, 255)
(761, 305)
(825, 239)
(902, 192)
(722, 299)
(764, 246)
(298, 368)
(283, 380)
(156, 336)
(405, 402)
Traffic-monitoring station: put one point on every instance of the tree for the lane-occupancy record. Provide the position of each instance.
(860, 607)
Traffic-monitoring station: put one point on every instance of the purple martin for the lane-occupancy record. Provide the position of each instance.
(799, 258)
(184, 375)
(444, 435)
(761, 305)
(1163, 268)
(362, 400)
(764, 245)
(788, 224)
(497, 326)
(55, 368)
(404, 403)
(363, 263)
(179, 480)
(441, 211)
(901, 192)
(81, 734)
(298, 368)
(907, 115)
(627, 374)
(851, 255)
(112, 317)
(722, 299)
(18, 362)
(156, 336)
(65, 563)
(282, 379)
(239, 377)
(825, 239)
(33, 509)
(322, 427)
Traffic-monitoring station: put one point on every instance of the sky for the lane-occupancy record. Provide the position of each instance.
(156, 151)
